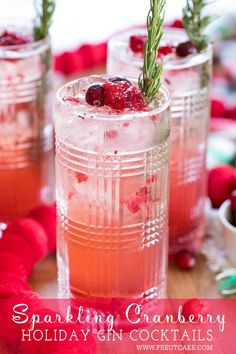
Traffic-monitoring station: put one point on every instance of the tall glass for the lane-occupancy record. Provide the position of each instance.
(26, 130)
(188, 82)
(112, 197)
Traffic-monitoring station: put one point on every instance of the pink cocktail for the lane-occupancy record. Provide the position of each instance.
(187, 79)
(112, 196)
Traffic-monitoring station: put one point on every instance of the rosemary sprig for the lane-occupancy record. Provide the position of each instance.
(150, 79)
(43, 20)
(195, 23)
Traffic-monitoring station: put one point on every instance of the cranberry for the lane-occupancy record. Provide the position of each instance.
(9, 38)
(185, 259)
(121, 94)
(165, 50)
(119, 79)
(195, 307)
(177, 24)
(186, 48)
(137, 43)
(81, 177)
(221, 183)
(95, 95)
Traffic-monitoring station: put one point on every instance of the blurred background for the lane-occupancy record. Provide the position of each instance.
(81, 29)
(80, 21)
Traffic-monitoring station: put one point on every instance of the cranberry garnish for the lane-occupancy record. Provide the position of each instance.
(185, 259)
(186, 48)
(165, 50)
(121, 94)
(177, 24)
(193, 308)
(233, 207)
(9, 38)
(137, 43)
(95, 95)
(119, 79)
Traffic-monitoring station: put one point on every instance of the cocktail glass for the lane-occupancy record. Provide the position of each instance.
(112, 197)
(188, 82)
(26, 130)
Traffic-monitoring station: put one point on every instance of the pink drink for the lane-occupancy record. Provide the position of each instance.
(26, 131)
(188, 81)
(112, 196)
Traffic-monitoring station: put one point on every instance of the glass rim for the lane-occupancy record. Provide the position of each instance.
(111, 117)
(30, 47)
(180, 63)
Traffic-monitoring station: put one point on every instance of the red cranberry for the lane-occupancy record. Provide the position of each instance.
(177, 24)
(186, 48)
(9, 38)
(195, 307)
(95, 95)
(119, 79)
(81, 177)
(221, 183)
(137, 43)
(185, 259)
(165, 50)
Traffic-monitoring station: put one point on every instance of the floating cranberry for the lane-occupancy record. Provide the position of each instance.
(185, 259)
(186, 48)
(111, 134)
(95, 95)
(177, 24)
(119, 79)
(81, 177)
(137, 43)
(195, 307)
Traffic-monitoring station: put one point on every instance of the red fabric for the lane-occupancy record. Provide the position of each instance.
(85, 57)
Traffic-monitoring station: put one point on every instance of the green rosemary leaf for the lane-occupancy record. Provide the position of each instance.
(195, 23)
(150, 78)
(44, 13)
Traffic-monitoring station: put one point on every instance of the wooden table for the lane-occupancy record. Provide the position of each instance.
(181, 284)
